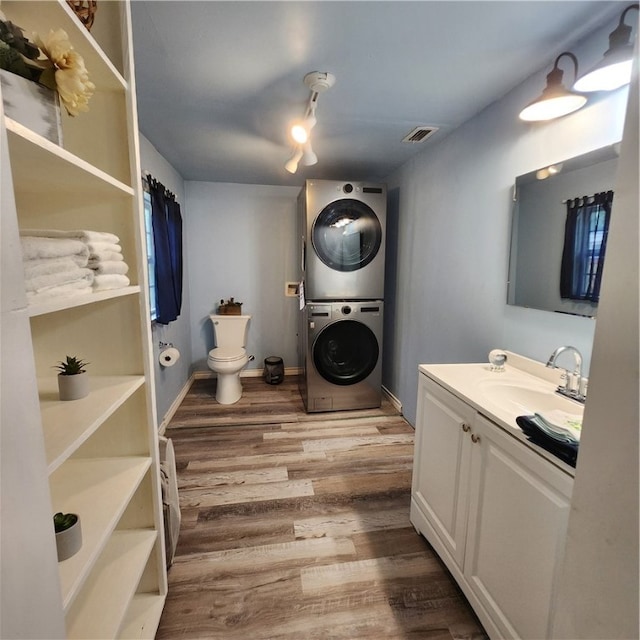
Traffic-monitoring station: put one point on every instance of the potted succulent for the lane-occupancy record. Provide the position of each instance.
(68, 534)
(73, 380)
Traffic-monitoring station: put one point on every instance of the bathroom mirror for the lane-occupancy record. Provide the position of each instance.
(538, 226)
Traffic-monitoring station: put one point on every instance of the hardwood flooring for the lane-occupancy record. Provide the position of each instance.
(295, 526)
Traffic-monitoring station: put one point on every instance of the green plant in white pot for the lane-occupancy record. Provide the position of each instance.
(68, 534)
(73, 380)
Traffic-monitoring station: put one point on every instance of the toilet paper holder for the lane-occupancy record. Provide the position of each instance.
(168, 355)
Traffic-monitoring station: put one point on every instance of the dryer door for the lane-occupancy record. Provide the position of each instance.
(346, 235)
(345, 352)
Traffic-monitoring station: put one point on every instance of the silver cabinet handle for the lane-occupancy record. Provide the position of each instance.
(475, 438)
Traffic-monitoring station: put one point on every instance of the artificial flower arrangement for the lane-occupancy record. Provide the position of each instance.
(50, 61)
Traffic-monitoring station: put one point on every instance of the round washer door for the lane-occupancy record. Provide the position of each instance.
(346, 235)
(345, 352)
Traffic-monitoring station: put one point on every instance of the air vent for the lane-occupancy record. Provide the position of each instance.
(419, 134)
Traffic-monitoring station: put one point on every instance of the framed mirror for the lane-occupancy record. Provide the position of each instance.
(538, 228)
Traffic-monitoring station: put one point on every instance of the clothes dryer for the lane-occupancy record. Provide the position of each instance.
(342, 343)
(343, 226)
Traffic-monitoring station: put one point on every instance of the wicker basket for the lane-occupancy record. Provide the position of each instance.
(85, 10)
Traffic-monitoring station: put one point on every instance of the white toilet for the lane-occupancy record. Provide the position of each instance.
(229, 357)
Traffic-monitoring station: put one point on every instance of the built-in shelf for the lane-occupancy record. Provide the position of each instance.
(101, 457)
(77, 487)
(43, 16)
(100, 610)
(67, 425)
(62, 303)
(141, 622)
(43, 167)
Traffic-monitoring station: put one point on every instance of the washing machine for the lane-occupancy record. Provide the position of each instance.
(342, 343)
(342, 228)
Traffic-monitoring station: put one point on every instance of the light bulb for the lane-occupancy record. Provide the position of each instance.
(299, 133)
(606, 78)
(552, 108)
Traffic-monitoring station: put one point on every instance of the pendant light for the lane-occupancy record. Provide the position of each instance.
(556, 100)
(614, 70)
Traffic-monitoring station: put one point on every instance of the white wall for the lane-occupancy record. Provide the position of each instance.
(169, 382)
(598, 593)
(242, 244)
(453, 220)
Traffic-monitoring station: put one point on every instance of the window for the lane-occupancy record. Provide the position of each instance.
(164, 239)
(151, 256)
(585, 243)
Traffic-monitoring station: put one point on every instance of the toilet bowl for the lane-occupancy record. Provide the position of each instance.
(229, 358)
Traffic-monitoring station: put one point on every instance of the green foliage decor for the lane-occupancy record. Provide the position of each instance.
(72, 366)
(63, 521)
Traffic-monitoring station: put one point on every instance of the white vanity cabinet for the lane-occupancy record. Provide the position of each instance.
(493, 508)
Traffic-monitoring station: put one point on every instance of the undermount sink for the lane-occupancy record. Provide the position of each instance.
(520, 399)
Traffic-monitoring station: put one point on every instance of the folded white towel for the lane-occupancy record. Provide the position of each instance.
(110, 281)
(41, 283)
(80, 287)
(95, 247)
(80, 234)
(45, 266)
(77, 259)
(34, 247)
(104, 256)
(111, 266)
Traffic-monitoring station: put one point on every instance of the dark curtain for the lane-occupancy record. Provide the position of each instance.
(585, 243)
(167, 240)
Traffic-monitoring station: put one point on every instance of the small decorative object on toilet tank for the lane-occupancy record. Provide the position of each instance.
(230, 308)
(497, 359)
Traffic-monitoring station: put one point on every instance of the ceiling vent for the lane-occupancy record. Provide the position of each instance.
(419, 134)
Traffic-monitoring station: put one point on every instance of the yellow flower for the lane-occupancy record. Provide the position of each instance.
(71, 76)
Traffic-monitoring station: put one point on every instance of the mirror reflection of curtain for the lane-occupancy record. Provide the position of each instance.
(167, 240)
(585, 243)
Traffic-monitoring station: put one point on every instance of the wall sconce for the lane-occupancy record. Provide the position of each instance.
(556, 100)
(300, 131)
(614, 70)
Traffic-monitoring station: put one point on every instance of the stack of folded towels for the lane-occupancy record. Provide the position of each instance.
(68, 263)
(556, 431)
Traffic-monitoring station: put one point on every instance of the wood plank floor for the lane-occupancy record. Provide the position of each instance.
(295, 526)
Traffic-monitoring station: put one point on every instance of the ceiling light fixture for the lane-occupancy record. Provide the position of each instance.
(614, 70)
(300, 132)
(556, 100)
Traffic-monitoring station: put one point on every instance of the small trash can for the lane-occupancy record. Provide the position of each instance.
(273, 370)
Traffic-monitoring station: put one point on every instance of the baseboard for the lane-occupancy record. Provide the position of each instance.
(397, 405)
(174, 406)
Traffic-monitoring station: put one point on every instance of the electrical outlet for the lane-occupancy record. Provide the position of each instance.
(291, 289)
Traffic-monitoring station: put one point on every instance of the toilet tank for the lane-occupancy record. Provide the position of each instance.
(230, 331)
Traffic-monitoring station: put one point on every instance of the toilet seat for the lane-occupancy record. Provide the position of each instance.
(227, 354)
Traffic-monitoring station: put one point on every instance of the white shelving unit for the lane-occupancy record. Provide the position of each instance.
(98, 456)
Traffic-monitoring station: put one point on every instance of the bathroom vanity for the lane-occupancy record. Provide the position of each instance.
(492, 504)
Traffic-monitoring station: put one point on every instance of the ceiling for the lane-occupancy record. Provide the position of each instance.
(219, 82)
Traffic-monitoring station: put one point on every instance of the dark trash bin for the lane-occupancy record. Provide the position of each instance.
(273, 370)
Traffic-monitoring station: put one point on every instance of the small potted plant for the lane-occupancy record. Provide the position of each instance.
(73, 380)
(68, 534)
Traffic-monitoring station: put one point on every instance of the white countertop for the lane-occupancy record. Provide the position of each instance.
(474, 383)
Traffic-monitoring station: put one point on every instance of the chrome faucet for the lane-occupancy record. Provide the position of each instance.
(575, 384)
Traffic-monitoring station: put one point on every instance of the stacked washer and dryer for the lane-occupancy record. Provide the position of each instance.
(342, 228)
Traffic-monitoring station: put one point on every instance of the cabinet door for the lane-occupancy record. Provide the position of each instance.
(517, 527)
(441, 469)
